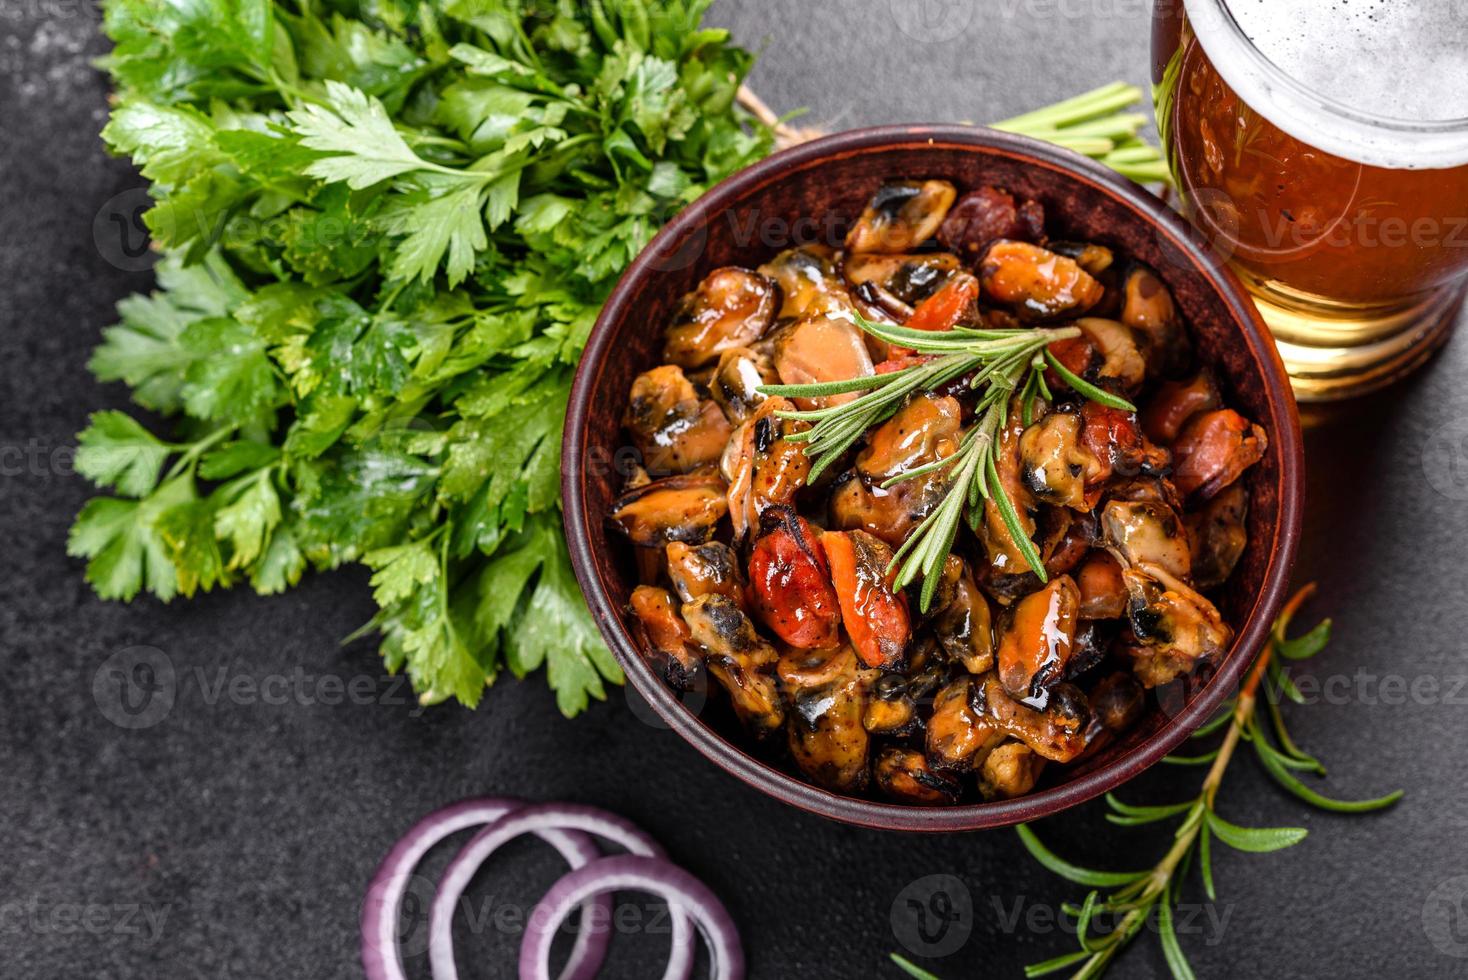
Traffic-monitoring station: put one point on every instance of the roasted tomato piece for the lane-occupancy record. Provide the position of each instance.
(698, 570)
(827, 690)
(791, 582)
(1217, 535)
(904, 775)
(954, 304)
(964, 624)
(957, 738)
(739, 659)
(676, 508)
(821, 348)
(909, 279)
(1037, 645)
(1147, 531)
(731, 308)
(674, 428)
(989, 213)
(1010, 770)
(901, 216)
(1035, 281)
(1175, 403)
(876, 619)
(809, 281)
(1214, 450)
(1057, 731)
(764, 465)
(1103, 592)
(670, 648)
(736, 382)
(1055, 466)
(1114, 437)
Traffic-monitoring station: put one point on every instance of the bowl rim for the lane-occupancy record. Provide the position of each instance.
(754, 772)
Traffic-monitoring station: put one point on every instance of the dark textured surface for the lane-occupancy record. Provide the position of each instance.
(247, 829)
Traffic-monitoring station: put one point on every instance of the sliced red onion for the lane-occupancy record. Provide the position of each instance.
(381, 957)
(540, 819)
(684, 894)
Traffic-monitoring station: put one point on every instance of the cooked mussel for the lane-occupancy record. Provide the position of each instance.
(1218, 537)
(1213, 450)
(1176, 628)
(764, 466)
(698, 570)
(1055, 466)
(819, 348)
(731, 308)
(670, 646)
(737, 657)
(675, 508)
(904, 775)
(827, 690)
(1011, 770)
(910, 278)
(1147, 531)
(957, 737)
(809, 281)
(674, 428)
(963, 623)
(1036, 282)
(901, 216)
(737, 379)
(1037, 644)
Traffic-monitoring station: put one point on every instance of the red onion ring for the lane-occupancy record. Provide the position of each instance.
(539, 819)
(626, 872)
(381, 956)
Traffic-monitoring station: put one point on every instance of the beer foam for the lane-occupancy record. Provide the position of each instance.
(1402, 61)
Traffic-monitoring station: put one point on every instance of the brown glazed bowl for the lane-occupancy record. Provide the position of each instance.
(811, 193)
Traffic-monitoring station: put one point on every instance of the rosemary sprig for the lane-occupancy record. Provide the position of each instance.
(1001, 365)
(1136, 895)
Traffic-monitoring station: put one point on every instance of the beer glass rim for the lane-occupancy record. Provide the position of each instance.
(1443, 141)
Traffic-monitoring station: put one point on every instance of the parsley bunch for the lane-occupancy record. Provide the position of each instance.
(387, 227)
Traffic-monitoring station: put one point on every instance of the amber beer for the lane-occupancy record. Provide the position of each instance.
(1322, 145)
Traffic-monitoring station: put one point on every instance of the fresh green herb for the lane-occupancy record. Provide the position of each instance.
(388, 227)
(1137, 895)
(1002, 366)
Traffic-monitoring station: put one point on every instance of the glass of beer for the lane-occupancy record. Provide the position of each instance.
(1322, 146)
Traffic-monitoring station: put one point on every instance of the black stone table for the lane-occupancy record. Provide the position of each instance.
(232, 835)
